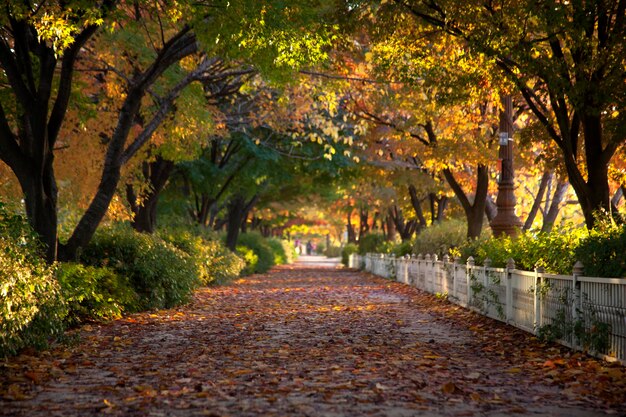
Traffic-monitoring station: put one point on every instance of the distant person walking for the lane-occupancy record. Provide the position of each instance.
(309, 247)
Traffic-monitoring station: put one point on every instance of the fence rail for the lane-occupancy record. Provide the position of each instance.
(583, 313)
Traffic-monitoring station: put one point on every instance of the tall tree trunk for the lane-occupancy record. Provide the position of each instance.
(363, 223)
(350, 229)
(491, 208)
(40, 197)
(390, 236)
(157, 174)
(118, 151)
(404, 228)
(550, 216)
(417, 207)
(538, 199)
(237, 212)
(474, 212)
(441, 208)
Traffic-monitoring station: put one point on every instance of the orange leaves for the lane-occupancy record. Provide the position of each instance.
(303, 341)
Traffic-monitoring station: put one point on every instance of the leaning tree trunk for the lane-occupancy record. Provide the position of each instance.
(118, 153)
(543, 185)
(237, 212)
(145, 215)
(555, 206)
(474, 212)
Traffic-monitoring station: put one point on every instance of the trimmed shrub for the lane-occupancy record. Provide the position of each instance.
(333, 251)
(213, 261)
(94, 294)
(261, 249)
(603, 252)
(553, 251)
(402, 248)
(162, 275)
(250, 259)
(348, 250)
(283, 250)
(371, 243)
(439, 238)
(31, 306)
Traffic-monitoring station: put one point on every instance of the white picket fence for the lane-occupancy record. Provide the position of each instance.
(583, 313)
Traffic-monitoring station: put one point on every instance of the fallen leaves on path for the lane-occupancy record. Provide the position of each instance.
(309, 342)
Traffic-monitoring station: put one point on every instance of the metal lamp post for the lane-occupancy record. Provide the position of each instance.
(506, 222)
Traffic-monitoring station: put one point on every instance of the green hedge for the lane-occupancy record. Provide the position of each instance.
(284, 251)
(94, 294)
(554, 251)
(333, 251)
(32, 309)
(213, 261)
(371, 243)
(348, 250)
(603, 252)
(264, 255)
(161, 274)
(439, 238)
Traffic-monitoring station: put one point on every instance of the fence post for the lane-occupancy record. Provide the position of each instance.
(486, 264)
(420, 265)
(455, 268)
(405, 268)
(510, 266)
(577, 271)
(539, 270)
(468, 276)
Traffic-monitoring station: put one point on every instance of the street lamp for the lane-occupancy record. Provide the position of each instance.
(506, 222)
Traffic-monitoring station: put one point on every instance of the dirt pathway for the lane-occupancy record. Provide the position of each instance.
(305, 341)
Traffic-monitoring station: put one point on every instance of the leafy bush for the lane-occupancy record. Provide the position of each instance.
(282, 249)
(333, 251)
(250, 259)
(603, 251)
(554, 251)
(439, 238)
(31, 306)
(402, 248)
(371, 243)
(162, 275)
(258, 244)
(348, 250)
(213, 261)
(94, 293)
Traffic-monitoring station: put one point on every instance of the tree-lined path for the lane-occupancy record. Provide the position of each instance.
(306, 340)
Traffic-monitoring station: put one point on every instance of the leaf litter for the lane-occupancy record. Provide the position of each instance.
(309, 342)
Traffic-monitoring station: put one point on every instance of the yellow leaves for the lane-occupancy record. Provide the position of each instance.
(55, 29)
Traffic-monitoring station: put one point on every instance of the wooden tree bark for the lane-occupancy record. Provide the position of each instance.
(237, 213)
(350, 228)
(404, 228)
(118, 152)
(364, 227)
(474, 212)
(157, 174)
(550, 216)
(543, 184)
(417, 207)
(40, 84)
